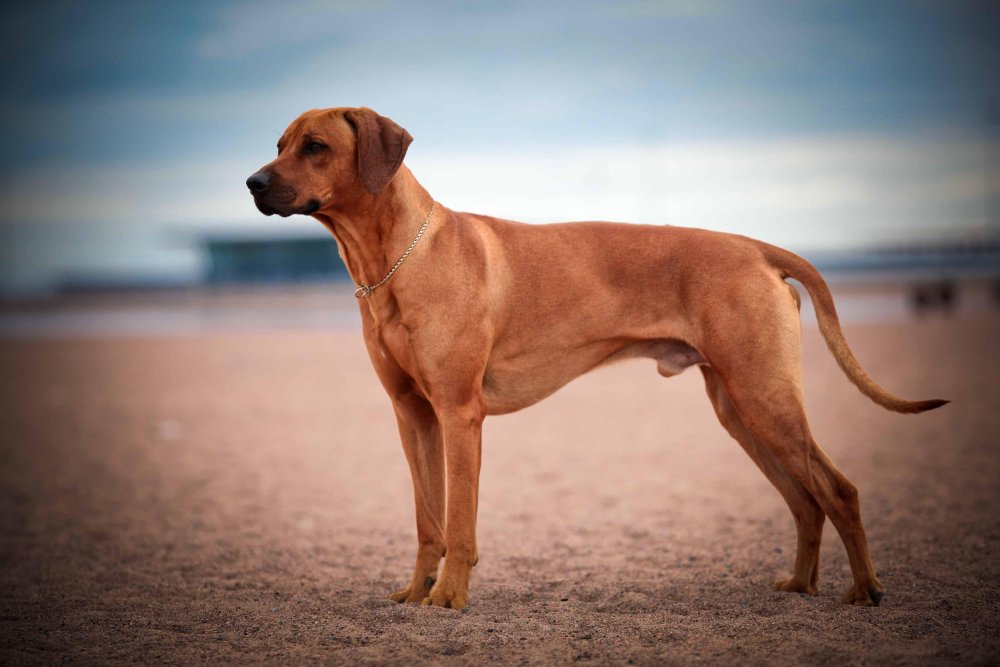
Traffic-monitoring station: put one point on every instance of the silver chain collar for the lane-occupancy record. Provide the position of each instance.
(364, 290)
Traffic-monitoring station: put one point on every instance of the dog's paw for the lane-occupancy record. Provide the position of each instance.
(867, 596)
(407, 595)
(793, 585)
(445, 599)
(415, 592)
(451, 591)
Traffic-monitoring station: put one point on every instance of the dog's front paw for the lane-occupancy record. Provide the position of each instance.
(793, 585)
(865, 596)
(415, 592)
(451, 591)
(446, 599)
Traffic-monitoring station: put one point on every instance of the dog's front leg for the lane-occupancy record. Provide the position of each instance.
(420, 433)
(462, 428)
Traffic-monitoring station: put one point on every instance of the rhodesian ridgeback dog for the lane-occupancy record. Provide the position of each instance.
(466, 316)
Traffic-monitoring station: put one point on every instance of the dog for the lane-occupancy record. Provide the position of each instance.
(466, 315)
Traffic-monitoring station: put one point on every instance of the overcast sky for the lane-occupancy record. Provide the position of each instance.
(127, 129)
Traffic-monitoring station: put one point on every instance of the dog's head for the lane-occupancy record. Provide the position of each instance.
(329, 158)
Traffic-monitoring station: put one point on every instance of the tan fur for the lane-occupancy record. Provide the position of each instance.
(488, 316)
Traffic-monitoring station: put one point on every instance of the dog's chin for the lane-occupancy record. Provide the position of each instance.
(308, 208)
(264, 208)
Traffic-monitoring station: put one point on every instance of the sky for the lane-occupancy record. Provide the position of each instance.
(127, 129)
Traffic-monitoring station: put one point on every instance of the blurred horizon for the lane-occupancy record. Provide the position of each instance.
(826, 127)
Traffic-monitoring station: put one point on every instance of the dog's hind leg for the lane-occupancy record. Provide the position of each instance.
(806, 511)
(759, 364)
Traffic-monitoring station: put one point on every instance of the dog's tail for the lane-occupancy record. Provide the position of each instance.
(791, 265)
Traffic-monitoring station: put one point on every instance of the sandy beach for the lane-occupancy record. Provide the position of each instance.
(241, 497)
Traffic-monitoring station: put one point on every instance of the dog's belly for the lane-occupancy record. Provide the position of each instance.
(513, 383)
(512, 388)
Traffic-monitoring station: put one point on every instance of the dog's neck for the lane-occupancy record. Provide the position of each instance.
(373, 232)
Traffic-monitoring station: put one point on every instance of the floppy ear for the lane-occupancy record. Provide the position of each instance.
(381, 147)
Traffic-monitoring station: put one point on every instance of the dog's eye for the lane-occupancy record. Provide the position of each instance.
(313, 147)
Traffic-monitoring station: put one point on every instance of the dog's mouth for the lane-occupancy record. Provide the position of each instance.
(270, 208)
(274, 197)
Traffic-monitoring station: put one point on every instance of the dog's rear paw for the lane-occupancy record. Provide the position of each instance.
(867, 596)
(793, 585)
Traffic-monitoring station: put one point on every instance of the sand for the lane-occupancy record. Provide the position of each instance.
(242, 497)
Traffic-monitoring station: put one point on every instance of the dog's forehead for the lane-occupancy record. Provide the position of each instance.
(315, 122)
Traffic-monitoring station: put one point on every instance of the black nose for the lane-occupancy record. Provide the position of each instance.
(259, 182)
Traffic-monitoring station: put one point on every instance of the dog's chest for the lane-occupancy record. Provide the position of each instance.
(392, 348)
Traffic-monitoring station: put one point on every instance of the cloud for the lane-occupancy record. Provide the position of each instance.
(670, 8)
(668, 182)
(245, 28)
(806, 193)
(813, 193)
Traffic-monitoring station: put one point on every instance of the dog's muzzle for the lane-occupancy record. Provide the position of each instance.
(273, 197)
